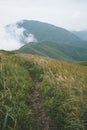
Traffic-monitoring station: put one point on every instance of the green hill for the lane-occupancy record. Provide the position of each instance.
(76, 51)
(48, 40)
(41, 93)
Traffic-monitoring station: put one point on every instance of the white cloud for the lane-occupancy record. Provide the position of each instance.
(30, 38)
(12, 37)
(14, 32)
(7, 41)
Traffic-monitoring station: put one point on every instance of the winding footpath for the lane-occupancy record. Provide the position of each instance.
(43, 120)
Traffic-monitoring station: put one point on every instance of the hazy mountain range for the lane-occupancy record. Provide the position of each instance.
(81, 34)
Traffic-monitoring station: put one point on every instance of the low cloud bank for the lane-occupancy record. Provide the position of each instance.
(12, 37)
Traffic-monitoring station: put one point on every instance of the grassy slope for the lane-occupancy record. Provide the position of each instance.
(15, 89)
(69, 51)
(64, 90)
(84, 63)
(45, 49)
(63, 87)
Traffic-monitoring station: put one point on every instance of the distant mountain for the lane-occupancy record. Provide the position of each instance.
(81, 34)
(39, 31)
(48, 40)
(76, 51)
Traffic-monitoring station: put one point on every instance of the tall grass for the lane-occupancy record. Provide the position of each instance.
(15, 99)
(64, 90)
(63, 87)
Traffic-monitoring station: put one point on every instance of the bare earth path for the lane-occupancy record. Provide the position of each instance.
(44, 122)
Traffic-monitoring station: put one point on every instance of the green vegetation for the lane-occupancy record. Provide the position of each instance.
(15, 89)
(63, 87)
(76, 51)
(83, 63)
(64, 90)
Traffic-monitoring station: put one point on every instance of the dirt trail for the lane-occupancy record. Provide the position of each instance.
(43, 120)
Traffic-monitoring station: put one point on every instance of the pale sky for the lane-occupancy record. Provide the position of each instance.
(69, 14)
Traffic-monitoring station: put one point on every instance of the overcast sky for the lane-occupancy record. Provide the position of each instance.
(70, 14)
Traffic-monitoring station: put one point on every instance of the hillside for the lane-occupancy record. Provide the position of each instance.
(81, 34)
(76, 51)
(41, 93)
(43, 32)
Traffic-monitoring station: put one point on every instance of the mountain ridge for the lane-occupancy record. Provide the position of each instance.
(49, 40)
(81, 34)
(45, 32)
(67, 52)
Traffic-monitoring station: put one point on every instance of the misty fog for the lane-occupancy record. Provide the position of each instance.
(12, 37)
